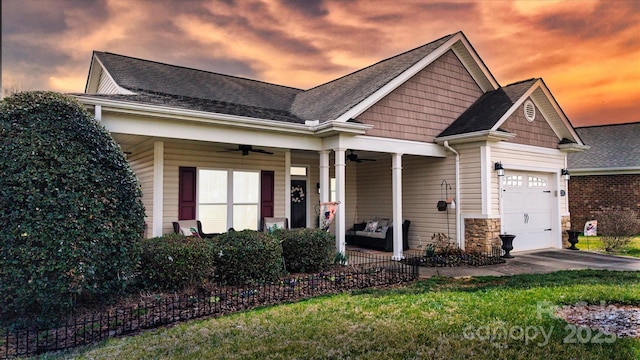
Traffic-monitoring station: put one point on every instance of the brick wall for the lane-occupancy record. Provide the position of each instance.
(590, 195)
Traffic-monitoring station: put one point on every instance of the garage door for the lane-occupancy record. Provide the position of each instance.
(528, 204)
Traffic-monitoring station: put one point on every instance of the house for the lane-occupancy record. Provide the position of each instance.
(433, 124)
(607, 176)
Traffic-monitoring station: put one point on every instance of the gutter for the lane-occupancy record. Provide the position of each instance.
(458, 202)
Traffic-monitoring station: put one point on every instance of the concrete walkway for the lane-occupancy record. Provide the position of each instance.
(540, 262)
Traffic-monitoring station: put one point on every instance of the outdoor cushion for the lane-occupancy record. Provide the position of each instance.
(372, 234)
(371, 226)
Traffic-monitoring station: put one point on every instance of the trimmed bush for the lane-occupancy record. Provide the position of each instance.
(306, 250)
(174, 261)
(71, 215)
(617, 228)
(247, 256)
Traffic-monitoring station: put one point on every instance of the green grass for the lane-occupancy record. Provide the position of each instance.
(439, 318)
(593, 243)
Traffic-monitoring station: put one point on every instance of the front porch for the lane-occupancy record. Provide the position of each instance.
(390, 185)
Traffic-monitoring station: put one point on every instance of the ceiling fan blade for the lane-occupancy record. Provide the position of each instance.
(261, 151)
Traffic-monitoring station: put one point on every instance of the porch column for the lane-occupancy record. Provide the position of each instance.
(396, 174)
(287, 185)
(324, 176)
(340, 197)
(158, 188)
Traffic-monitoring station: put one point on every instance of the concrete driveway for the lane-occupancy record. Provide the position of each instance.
(540, 262)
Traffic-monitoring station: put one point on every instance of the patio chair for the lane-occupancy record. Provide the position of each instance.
(271, 222)
(184, 227)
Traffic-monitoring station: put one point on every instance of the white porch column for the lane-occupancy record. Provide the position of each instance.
(396, 174)
(287, 185)
(158, 188)
(324, 176)
(340, 197)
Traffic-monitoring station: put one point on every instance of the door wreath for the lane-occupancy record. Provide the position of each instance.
(297, 194)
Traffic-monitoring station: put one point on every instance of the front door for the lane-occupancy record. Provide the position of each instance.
(298, 203)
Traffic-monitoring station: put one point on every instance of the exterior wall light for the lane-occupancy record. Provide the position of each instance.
(498, 168)
(565, 174)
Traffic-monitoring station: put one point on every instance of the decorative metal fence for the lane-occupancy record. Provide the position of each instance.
(363, 271)
(454, 256)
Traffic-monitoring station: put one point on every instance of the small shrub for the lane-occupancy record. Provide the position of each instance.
(175, 261)
(247, 256)
(617, 228)
(306, 250)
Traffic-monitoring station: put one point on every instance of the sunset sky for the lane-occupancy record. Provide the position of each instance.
(587, 52)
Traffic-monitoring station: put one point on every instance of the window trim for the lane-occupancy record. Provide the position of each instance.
(229, 203)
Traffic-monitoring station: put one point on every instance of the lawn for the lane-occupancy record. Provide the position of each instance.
(438, 318)
(593, 243)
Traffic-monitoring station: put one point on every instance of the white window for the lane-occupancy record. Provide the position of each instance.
(298, 171)
(228, 199)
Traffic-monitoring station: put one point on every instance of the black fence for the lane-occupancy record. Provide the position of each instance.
(361, 270)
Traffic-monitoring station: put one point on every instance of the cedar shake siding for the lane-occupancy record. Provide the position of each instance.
(536, 133)
(426, 104)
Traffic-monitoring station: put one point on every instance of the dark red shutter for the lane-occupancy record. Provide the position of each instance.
(267, 193)
(187, 193)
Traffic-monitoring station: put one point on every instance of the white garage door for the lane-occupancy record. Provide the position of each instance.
(528, 204)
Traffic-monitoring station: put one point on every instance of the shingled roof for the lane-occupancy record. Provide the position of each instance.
(198, 104)
(162, 84)
(143, 75)
(330, 100)
(612, 147)
(485, 113)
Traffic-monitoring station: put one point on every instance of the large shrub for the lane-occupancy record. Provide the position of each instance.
(617, 228)
(174, 261)
(71, 215)
(247, 256)
(306, 250)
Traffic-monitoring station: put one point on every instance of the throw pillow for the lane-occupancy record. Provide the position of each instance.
(371, 226)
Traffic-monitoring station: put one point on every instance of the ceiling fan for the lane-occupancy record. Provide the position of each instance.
(246, 149)
(351, 156)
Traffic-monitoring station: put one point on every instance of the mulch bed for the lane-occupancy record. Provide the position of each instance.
(458, 258)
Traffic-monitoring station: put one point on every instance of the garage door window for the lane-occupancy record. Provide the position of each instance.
(512, 180)
(537, 182)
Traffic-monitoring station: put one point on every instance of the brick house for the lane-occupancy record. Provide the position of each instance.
(390, 141)
(607, 176)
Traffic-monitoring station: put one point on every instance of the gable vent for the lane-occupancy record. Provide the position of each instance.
(529, 110)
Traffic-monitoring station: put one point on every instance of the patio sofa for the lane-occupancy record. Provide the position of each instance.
(377, 234)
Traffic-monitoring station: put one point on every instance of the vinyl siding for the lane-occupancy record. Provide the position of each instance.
(426, 104)
(530, 160)
(141, 162)
(106, 85)
(470, 183)
(422, 180)
(203, 155)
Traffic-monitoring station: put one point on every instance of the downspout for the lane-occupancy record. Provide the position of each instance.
(458, 201)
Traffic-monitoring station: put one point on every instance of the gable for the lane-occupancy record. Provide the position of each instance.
(535, 133)
(426, 104)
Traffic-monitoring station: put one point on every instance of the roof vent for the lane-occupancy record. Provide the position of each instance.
(529, 111)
